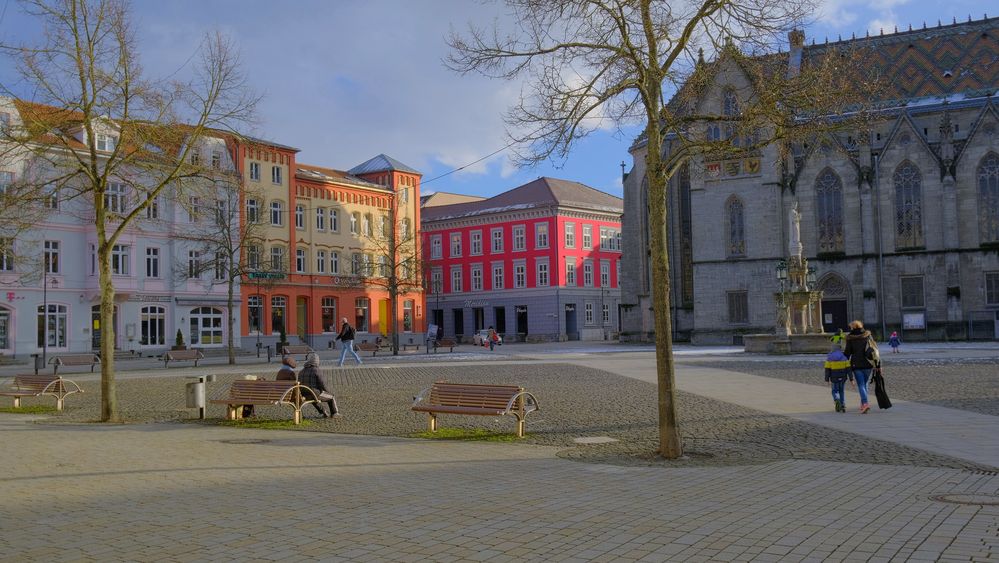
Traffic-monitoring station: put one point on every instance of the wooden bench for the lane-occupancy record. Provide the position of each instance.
(259, 392)
(472, 399)
(372, 347)
(296, 350)
(74, 360)
(35, 385)
(182, 356)
(448, 343)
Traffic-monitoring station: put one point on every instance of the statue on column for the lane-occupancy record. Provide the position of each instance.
(794, 232)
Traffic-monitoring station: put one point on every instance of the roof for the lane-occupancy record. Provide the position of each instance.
(320, 174)
(446, 198)
(543, 192)
(381, 163)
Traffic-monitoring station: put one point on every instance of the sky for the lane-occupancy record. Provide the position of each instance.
(346, 80)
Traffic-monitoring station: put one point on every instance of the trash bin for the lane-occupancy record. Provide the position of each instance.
(196, 395)
(39, 363)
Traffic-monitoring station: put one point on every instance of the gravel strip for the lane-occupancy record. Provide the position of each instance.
(575, 402)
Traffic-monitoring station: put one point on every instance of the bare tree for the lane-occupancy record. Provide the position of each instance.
(95, 121)
(592, 62)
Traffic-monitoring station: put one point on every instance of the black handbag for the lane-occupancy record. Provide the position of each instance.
(880, 390)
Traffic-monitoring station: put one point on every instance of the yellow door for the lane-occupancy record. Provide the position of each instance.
(383, 316)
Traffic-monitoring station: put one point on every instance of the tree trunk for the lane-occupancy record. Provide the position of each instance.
(230, 303)
(109, 395)
(670, 444)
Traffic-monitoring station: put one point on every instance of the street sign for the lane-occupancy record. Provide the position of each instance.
(266, 275)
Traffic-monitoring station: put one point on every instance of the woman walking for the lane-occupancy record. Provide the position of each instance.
(863, 354)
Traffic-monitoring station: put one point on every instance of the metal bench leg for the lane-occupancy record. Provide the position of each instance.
(230, 412)
(17, 402)
(298, 416)
(520, 427)
(432, 422)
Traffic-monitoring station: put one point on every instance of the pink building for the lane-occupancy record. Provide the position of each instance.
(539, 262)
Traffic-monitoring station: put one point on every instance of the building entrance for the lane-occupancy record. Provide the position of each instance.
(571, 330)
(834, 315)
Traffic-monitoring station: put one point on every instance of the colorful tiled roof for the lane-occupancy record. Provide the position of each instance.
(543, 192)
(321, 174)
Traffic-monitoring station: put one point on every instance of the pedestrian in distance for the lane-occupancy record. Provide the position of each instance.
(311, 378)
(837, 370)
(493, 338)
(864, 355)
(287, 370)
(346, 338)
(837, 338)
(894, 341)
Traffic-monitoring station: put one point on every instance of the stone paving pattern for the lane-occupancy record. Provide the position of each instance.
(575, 402)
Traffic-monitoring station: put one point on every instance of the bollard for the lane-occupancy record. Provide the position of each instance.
(269, 353)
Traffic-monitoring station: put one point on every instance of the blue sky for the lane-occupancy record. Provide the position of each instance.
(346, 80)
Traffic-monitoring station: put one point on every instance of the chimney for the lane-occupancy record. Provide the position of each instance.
(796, 37)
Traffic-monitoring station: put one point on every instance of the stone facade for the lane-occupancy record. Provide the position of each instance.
(901, 222)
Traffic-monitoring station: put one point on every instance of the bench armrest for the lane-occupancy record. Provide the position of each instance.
(530, 402)
(421, 396)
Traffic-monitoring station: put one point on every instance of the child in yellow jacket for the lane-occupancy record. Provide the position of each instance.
(837, 372)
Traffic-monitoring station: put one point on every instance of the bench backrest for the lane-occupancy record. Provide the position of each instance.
(443, 342)
(260, 390)
(296, 350)
(185, 354)
(471, 395)
(38, 383)
(75, 359)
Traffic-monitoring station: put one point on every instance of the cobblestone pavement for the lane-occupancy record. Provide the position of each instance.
(181, 492)
(970, 384)
(576, 402)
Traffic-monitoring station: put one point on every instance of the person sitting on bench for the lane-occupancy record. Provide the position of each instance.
(287, 370)
(309, 376)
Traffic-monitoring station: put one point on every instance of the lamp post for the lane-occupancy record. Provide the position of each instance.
(783, 312)
(45, 309)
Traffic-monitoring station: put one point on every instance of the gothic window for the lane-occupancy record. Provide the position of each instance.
(730, 103)
(829, 196)
(908, 206)
(736, 227)
(988, 197)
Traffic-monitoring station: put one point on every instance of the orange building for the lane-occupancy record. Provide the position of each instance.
(327, 245)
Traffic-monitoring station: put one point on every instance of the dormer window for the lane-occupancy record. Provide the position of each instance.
(216, 160)
(4, 121)
(106, 142)
(195, 158)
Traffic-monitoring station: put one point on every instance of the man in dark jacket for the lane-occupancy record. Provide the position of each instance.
(346, 337)
(863, 354)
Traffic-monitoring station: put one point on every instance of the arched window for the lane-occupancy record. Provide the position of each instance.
(908, 206)
(206, 326)
(829, 206)
(152, 323)
(278, 306)
(52, 323)
(736, 227)
(730, 102)
(988, 197)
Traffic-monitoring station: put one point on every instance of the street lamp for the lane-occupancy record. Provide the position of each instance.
(810, 277)
(45, 309)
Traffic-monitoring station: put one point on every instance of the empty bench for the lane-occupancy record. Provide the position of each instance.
(300, 350)
(182, 356)
(74, 360)
(448, 343)
(36, 385)
(260, 392)
(372, 347)
(473, 399)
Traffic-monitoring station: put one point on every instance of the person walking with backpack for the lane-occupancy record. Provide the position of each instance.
(837, 368)
(346, 338)
(864, 355)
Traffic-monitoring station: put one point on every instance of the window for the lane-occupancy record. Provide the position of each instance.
(570, 235)
(119, 260)
(437, 281)
(730, 103)
(193, 208)
(4, 125)
(355, 264)
(476, 278)
(106, 142)
(93, 260)
(587, 237)
(255, 171)
(498, 276)
(52, 325)
(407, 315)
(829, 206)
(320, 261)
(216, 160)
(114, 198)
(908, 206)
(276, 174)
(276, 213)
(604, 273)
(195, 157)
(519, 238)
(404, 228)
(587, 273)
(383, 266)
(252, 211)
(328, 310)
(153, 209)
(278, 305)
(367, 225)
(912, 292)
(736, 227)
(51, 256)
(51, 197)
(366, 265)
(435, 246)
(6, 180)
(320, 219)
(277, 258)
(988, 198)
(519, 275)
(541, 235)
(334, 262)
(605, 313)
(299, 217)
(299, 260)
(497, 236)
(6, 255)
(361, 306)
(255, 312)
(193, 264)
(404, 195)
(206, 326)
(253, 257)
(152, 326)
(475, 246)
(455, 245)
(738, 307)
(570, 272)
(588, 313)
(334, 220)
(456, 280)
(542, 274)
(603, 239)
(992, 288)
(386, 227)
(221, 267)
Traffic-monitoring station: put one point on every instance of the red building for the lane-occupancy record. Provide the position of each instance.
(539, 262)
